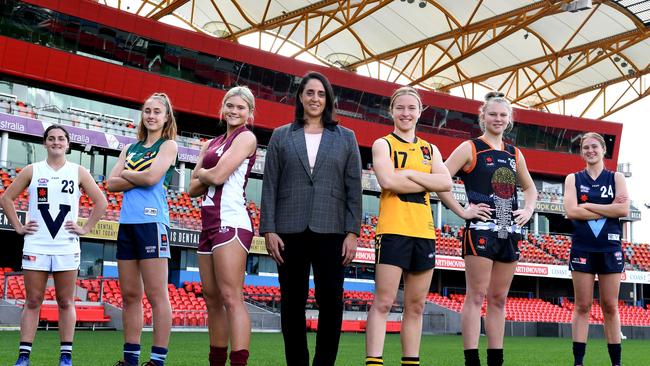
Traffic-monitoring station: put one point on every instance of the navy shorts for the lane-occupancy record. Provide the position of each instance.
(596, 262)
(487, 244)
(406, 252)
(142, 241)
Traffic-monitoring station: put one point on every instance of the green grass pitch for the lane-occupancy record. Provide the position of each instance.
(104, 348)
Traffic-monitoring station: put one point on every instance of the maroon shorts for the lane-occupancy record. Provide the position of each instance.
(211, 239)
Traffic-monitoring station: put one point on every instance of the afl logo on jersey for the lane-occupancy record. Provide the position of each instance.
(43, 181)
(426, 153)
(42, 195)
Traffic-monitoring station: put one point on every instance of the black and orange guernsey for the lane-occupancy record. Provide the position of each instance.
(491, 179)
(407, 214)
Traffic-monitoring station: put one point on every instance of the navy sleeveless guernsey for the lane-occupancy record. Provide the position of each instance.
(492, 180)
(602, 235)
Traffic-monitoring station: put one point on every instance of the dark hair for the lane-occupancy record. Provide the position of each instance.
(329, 114)
(54, 127)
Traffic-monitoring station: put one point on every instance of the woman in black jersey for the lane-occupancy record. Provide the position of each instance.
(594, 199)
(490, 170)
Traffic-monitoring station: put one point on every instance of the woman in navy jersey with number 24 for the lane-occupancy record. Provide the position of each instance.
(594, 199)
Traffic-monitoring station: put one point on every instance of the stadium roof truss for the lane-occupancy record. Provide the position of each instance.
(538, 53)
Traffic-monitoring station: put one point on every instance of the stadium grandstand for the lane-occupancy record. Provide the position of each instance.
(88, 65)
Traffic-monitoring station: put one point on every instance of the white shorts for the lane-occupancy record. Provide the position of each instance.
(51, 262)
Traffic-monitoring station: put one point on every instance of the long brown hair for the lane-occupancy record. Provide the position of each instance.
(169, 130)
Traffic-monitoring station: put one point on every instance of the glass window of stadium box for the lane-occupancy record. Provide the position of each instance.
(91, 258)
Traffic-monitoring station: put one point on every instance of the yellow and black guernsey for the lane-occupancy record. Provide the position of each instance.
(145, 204)
(407, 214)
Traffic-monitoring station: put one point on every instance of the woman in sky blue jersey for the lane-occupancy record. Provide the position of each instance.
(143, 172)
(595, 199)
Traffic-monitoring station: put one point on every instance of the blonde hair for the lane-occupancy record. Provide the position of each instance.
(596, 136)
(405, 90)
(239, 91)
(494, 97)
(169, 130)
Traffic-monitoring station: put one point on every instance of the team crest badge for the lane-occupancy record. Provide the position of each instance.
(426, 153)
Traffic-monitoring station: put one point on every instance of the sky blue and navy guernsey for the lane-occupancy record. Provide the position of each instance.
(602, 235)
(145, 204)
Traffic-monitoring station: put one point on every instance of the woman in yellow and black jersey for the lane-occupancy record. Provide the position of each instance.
(407, 168)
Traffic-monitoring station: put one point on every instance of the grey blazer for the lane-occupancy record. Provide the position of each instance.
(325, 201)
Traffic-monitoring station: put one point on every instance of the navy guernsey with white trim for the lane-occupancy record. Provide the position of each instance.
(602, 235)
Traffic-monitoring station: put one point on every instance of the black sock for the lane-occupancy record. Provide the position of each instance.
(66, 348)
(25, 349)
(471, 357)
(374, 361)
(578, 352)
(410, 361)
(614, 350)
(495, 356)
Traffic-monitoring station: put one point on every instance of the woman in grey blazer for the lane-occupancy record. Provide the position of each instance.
(311, 216)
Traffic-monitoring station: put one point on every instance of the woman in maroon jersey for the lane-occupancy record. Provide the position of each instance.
(220, 176)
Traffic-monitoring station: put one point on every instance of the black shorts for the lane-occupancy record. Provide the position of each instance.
(406, 252)
(142, 241)
(487, 244)
(596, 262)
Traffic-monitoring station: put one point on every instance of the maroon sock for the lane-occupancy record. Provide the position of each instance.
(239, 358)
(218, 356)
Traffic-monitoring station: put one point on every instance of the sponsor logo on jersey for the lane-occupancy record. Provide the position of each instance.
(579, 260)
(426, 153)
(616, 237)
(584, 189)
(489, 161)
(43, 181)
(42, 194)
(150, 211)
